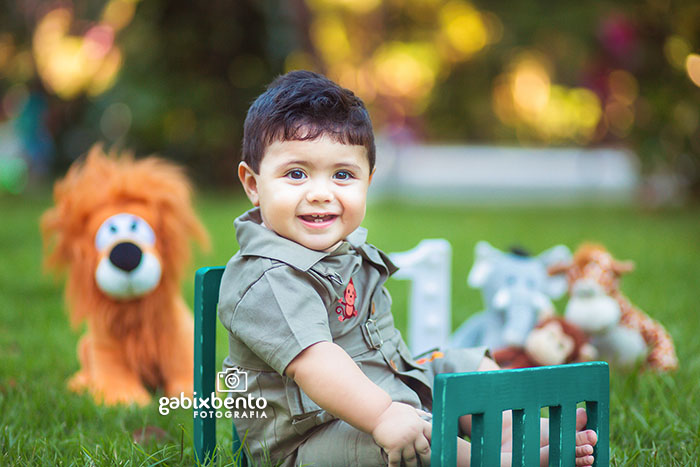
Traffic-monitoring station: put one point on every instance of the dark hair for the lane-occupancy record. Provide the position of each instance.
(303, 105)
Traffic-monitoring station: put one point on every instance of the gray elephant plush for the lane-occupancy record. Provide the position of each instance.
(517, 292)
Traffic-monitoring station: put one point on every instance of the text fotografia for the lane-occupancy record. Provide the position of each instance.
(215, 407)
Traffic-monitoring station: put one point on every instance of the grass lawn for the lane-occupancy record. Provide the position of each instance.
(655, 419)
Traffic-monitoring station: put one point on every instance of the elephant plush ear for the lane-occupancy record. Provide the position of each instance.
(556, 284)
(485, 257)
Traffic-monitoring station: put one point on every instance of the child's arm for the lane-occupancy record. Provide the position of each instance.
(331, 378)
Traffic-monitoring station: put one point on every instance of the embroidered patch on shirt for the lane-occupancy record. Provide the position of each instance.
(346, 309)
(433, 356)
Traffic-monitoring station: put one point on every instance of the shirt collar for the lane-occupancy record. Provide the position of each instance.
(257, 240)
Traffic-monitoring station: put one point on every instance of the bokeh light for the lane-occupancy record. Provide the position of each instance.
(525, 98)
(686, 117)
(330, 38)
(692, 66)
(406, 69)
(356, 6)
(7, 49)
(530, 86)
(118, 13)
(395, 76)
(676, 49)
(69, 64)
(463, 30)
(623, 87)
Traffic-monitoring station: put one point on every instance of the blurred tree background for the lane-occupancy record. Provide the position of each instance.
(176, 77)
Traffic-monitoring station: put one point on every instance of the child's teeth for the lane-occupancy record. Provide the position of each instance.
(318, 217)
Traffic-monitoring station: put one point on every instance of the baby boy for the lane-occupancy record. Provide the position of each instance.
(308, 316)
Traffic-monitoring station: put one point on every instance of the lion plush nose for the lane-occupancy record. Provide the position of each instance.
(126, 256)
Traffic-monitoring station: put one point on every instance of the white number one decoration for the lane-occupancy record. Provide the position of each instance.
(428, 267)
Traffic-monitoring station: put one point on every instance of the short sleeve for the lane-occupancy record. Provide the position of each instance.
(279, 316)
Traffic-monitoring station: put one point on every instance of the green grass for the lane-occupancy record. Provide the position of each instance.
(655, 419)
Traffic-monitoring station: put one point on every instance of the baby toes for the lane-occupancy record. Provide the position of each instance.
(587, 437)
(585, 440)
(585, 450)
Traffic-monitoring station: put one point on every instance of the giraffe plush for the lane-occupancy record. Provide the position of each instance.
(593, 267)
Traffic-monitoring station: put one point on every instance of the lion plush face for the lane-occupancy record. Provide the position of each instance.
(121, 229)
(129, 266)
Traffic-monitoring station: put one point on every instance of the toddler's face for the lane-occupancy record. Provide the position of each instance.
(311, 192)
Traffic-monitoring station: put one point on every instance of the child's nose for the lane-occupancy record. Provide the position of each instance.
(319, 191)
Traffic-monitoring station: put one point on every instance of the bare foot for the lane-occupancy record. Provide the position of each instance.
(585, 440)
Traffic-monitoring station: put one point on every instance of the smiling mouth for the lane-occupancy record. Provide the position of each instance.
(318, 219)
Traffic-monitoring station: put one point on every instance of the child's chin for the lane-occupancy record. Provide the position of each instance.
(320, 245)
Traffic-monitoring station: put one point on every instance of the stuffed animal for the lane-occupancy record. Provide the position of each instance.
(554, 341)
(121, 230)
(599, 315)
(516, 290)
(622, 333)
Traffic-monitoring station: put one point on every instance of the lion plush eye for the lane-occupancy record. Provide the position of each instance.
(124, 226)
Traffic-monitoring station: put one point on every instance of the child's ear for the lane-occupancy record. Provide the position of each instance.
(371, 175)
(250, 182)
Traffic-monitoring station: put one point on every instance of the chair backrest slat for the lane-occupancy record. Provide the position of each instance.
(598, 413)
(492, 437)
(531, 451)
(518, 436)
(525, 392)
(562, 428)
(206, 298)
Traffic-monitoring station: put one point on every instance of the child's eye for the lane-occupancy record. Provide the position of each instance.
(343, 175)
(296, 174)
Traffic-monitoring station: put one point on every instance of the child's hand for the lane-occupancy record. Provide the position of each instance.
(404, 435)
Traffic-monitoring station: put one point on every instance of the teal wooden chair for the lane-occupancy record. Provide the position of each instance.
(486, 395)
(206, 298)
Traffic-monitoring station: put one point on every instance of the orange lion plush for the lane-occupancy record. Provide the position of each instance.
(121, 229)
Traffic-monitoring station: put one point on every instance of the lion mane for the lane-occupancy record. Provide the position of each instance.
(143, 334)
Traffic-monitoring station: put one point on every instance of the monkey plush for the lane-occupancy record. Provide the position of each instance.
(553, 341)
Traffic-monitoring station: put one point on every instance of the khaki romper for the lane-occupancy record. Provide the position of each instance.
(277, 298)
